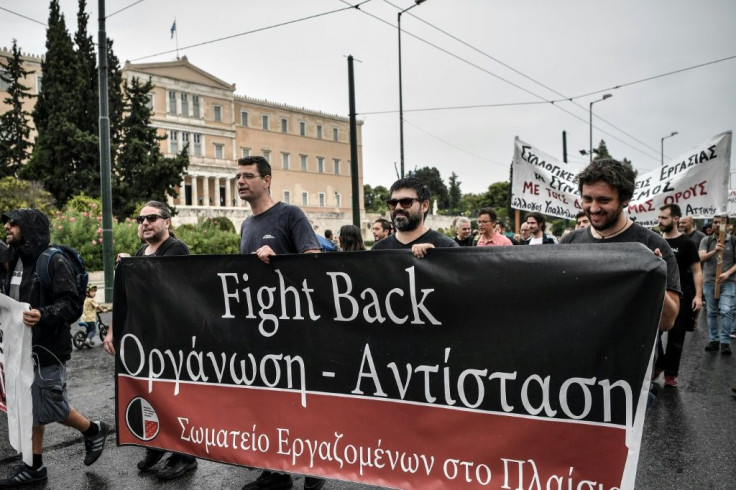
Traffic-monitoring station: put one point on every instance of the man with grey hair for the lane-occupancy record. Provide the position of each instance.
(464, 232)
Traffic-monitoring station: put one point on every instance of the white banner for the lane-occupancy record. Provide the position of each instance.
(732, 202)
(697, 181)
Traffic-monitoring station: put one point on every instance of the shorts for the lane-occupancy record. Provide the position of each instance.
(50, 401)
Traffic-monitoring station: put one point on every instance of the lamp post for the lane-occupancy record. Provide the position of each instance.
(401, 98)
(590, 149)
(662, 146)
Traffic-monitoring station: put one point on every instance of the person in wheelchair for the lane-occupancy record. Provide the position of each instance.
(89, 314)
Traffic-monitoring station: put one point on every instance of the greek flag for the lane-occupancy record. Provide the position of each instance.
(173, 29)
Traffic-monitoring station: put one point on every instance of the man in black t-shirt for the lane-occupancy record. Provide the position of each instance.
(691, 281)
(409, 205)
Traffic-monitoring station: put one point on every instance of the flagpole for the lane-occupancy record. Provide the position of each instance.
(176, 33)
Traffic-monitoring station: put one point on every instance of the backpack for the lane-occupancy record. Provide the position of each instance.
(43, 271)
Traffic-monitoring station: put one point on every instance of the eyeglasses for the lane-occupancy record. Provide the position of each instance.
(480, 222)
(150, 217)
(246, 176)
(405, 202)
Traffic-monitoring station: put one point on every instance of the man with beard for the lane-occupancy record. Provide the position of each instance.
(409, 205)
(691, 280)
(381, 229)
(153, 227)
(537, 226)
(52, 310)
(606, 187)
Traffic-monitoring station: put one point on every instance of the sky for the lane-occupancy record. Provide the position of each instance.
(476, 73)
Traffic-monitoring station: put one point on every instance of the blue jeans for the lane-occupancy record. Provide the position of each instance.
(91, 329)
(723, 306)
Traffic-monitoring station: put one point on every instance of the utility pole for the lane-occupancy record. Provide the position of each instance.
(108, 263)
(354, 177)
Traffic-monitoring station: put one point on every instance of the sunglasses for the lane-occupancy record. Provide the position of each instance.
(405, 202)
(150, 217)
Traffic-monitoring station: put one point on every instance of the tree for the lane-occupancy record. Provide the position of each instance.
(374, 198)
(14, 129)
(455, 195)
(141, 172)
(430, 176)
(601, 151)
(16, 193)
(55, 155)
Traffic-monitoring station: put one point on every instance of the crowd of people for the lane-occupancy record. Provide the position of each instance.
(695, 279)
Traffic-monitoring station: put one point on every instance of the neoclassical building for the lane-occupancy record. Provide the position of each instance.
(309, 150)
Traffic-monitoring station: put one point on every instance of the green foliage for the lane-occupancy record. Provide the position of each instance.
(454, 197)
(431, 177)
(374, 198)
(16, 193)
(220, 223)
(15, 145)
(204, 238)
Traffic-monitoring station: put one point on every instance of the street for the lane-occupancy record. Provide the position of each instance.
(688, 442)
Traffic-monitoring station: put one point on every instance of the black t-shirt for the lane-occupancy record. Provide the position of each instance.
(172, 246)
(635, 233)
(686, 254)
(431, 236)
(468, 242)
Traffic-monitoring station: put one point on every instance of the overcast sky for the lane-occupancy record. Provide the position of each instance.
(464, 53)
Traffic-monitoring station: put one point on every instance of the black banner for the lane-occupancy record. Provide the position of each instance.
(488, 367)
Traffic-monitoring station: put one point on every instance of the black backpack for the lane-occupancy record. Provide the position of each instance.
(43, 271)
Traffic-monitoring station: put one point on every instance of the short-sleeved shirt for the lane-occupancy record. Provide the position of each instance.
(435, 238)
(468, 242)
(497, 241)
(686, 254)
(283, 227)
(709, 266)
(696, 237)
(171, 246)
(635, 233)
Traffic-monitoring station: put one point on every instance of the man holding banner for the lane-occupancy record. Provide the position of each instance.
(606, 187)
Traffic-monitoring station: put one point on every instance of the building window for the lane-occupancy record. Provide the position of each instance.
(185, 105)
(218, 113)
(321, 199)
(285, 161)
(197, 144)
(244, 152)
(174, 140)
(284, 125)
(149, 104)
(338, 200)
(185, 140)
(335, 134)
(304, 163)
(267, 155)
(305, 198)
(39, 81)
(287, 197)
(244, 119)
(4, 86)
(320, 165)
(172, 103)
(195, 106)
(319, 131)
(219, 151)
(302, 128)
(264, 122)
(336, 161)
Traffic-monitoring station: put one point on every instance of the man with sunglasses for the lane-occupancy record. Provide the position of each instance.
(409, 205)
(153, 228)
(274, 228)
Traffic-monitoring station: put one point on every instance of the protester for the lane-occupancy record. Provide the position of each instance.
(722, 307)
(606, 187)
(581, 220)
(409, 205)
(89, 315)
(691, 283)
(464, 232)
(524, 233)
(537, 225)
(274, 228)
(382, 228)
(501, 228)
(350, 239)
(52, 311)
(687, 227)
(489, 237)
(4, 256)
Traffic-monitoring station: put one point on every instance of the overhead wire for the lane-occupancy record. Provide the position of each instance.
(124, 8)
(24, 16)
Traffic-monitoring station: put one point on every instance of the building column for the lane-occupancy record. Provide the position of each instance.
(217, 200)
(229, 192)
(205, 191)
(195, 193)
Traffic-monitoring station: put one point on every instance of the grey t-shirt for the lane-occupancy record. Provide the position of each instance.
(636, 233)
(709, 266)
(282, 227)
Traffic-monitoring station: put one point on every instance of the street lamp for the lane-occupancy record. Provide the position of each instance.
(662, 147)
(590, 149)
(401, 99)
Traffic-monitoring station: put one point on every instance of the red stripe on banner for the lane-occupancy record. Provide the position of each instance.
(375, 441)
